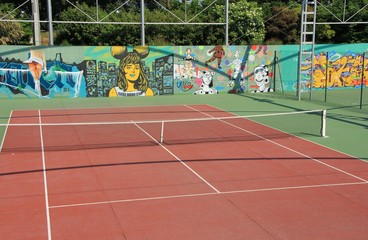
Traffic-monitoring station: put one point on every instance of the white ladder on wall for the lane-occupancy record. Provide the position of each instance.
(306, 52)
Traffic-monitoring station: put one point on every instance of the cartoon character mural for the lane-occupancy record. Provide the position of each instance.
(260, 47)
(218, 53)
(184, 72)
(189, 59)
(207, 83)
(131, 79)
(261, 78)
(238, 72)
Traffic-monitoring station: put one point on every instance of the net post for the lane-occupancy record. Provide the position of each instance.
(323, 122)
(162, 132)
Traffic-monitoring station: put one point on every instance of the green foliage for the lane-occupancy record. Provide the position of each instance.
(325, 33)
(333, 12)
(284, 26)
(246, 25)
(250, 22)
(10, 32)
(79, 34)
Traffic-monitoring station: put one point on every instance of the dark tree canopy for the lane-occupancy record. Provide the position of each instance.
(276, 22)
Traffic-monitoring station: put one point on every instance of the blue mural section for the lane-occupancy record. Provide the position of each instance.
(35, 77)
(123, 71)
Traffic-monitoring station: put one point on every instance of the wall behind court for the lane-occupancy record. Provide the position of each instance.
(103, 71)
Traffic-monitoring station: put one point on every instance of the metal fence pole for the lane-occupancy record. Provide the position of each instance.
(143, 37)
(227, 22)
(362, 83)
(326, 81)
(36, 23)
(51, 31)
(274, 71)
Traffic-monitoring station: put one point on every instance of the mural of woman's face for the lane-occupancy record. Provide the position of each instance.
(132, 71)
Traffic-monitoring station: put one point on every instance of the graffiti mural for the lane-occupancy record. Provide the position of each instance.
(164, 80)
(142, 71)
(336, 70)
(36, 77)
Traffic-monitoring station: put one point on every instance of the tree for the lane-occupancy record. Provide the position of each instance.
(78, 34)
(250, 22)
(183, 34)
(335, 11)
(10, 32)
(246, 25)
(324, 33)
(283, 27)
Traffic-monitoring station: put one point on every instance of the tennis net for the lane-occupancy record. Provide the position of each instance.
(71, 136)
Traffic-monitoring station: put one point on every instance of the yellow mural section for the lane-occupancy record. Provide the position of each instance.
(338, 71)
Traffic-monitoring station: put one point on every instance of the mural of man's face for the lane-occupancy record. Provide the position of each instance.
(132, 71)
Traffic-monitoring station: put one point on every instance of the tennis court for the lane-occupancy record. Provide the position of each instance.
(172, 172)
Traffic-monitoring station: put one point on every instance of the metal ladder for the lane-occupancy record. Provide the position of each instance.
(306, 52)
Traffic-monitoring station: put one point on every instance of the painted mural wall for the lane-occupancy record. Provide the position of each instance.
(120, 71)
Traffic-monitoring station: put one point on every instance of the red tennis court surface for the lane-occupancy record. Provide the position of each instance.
(78, 182)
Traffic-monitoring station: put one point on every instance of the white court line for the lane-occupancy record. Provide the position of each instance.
(205, 194)
(6, 130)
(280, 145)
(294, 135)
(177, 158)
(45, 179)
(217, 192)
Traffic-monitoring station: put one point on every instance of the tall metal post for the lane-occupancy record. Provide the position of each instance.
(51, 31)
(36, 23)
(227, 22)
(97, 17)
(327, 76)
(143, 42)
(274, 72)
(362, 82)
